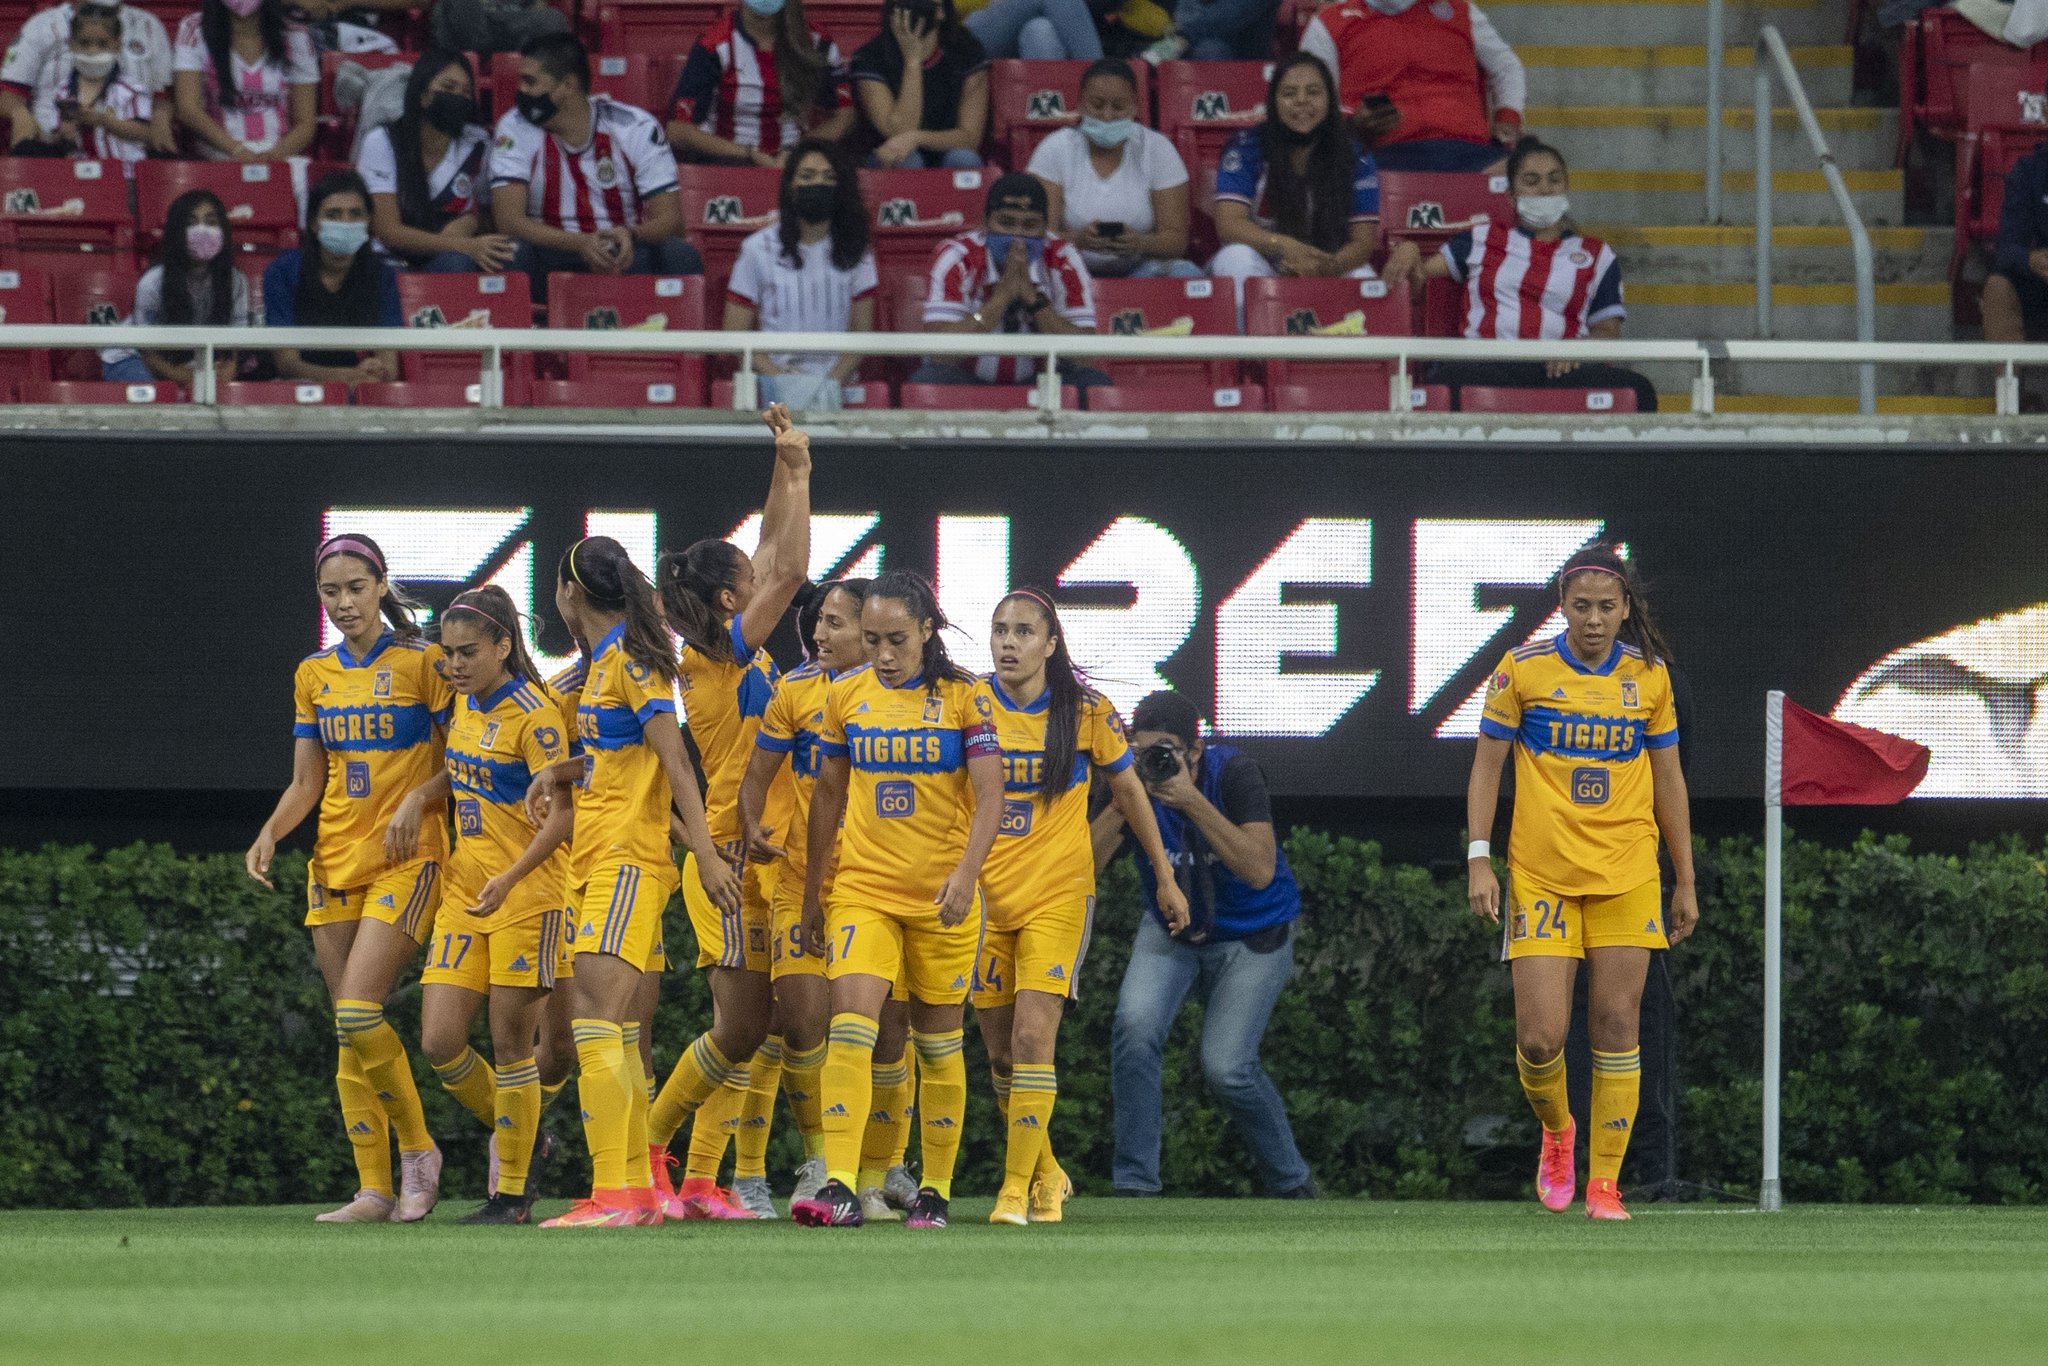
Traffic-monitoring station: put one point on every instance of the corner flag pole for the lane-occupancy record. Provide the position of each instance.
(1769, 1195)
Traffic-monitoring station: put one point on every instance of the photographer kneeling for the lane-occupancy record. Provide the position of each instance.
(1236, 954)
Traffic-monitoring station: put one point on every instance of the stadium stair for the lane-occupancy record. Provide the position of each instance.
(1631, 119)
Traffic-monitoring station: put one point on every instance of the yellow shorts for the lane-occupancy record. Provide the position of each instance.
(738, 939)
(406, 896)
(1541, 923)
(787, 956)
(621, 911)
(565, 948)
(1042, 954)
(522, 954)
(907, 949)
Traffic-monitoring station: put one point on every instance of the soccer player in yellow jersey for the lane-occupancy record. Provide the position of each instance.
(1589, 717)
(641, 786)
(556, 1054)
(724, 606)
(1040, 879)
(905, 756)
(367, 729)
(500, 925)
(789, 731)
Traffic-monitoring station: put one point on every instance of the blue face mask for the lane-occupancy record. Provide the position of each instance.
(343, 239)
(1108, 132)
(767, 9)
(1000, 244)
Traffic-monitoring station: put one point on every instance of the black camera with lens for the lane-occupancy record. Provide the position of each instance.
(1158, 761)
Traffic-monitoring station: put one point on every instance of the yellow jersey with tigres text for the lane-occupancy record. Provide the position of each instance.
(1585, 819)
(1042, 857)
(908, 802)
(622, 815)
(380, 720)
(495, 746)
(790, 726)
(568, 686)
(724, 701)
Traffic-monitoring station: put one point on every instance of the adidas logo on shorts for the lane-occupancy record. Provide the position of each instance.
(519, 964)
(1649, 927)
(385, 900)
(959, 983)
(1057, 973)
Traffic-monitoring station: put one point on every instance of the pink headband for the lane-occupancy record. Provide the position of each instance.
(348, 545)
(472, 607)
(1572, 569)
(1036, 596)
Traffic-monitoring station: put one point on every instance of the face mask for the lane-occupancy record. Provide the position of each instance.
(1296, 138)
(537, 109)
(1001, 243)
(1540, 211)
(343, 239)
(93, 66)
(1108, 132)
(767, 9)
(450, 112)
(814, 203)
(203, 241)
(244, 8)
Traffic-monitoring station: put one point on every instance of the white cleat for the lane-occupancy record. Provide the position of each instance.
(810, 1179)
(899, 1187)
(755, 1197)
(419, 1189)
(875, 1208)
(368, 1207)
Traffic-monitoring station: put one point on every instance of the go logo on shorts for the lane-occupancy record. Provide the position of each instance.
(1589, 786)
(895, 800)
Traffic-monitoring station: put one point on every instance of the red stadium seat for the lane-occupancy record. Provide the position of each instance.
(1203, 105)
(24, 298)
(664, 28)
(647, 303)
(1344, 396)
(977, 397)
(632, 76)
(1028, 100)
(609, 392)
(1201, 308)
(1431, 207)
(2003, 118)
(722, 207)
(1480, 398)
(284, 393)
(865, 395)
(1176, 396)
(464, 301)
(914, 211)
(437, 394)
(1939, 49)
(263, 213)
(848, 23)
(1278, 307)
(56, 207)
(902, 301)
(100, 391)
(99, 291)
(1443, 308)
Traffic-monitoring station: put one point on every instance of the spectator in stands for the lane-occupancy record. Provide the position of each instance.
(488, 26)
(88, 104)
(145, 64)
(923, 85)
(757, 82)
(352, 25)
(1537, 278)
(580, 181)
(428, 170)
(1296, 195)
(2016, 296)
(1117, 189)
(1037, 30)
(810, 271)
(263, 109)
(336, 279)
(194, 282)
(1413, 73)
(1217, 31)
(1011, 276)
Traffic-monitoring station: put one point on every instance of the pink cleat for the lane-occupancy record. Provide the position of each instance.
(1556, 1177)
(704, 1198)
(368, 1207)
(649, 1211)
(419, 1187)
(663, 1163)
(604, 1209)
(1603, 1201)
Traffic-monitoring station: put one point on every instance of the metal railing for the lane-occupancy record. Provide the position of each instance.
(1404, 354)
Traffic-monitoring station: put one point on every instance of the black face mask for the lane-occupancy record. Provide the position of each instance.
(537, 109)
(450, 112)
(814, 203)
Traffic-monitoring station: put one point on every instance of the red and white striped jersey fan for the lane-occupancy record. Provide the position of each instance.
(964, 274)
(730, 89)
(603, 185)
(1518, 287)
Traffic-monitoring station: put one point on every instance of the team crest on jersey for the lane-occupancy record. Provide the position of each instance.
(461, 186)
(724, 208)
(1629, 696)
(1580, 259)
(934, 708)
(1045, 104)
(505, 144)
(607, 173)
(381, 685)
(1233, 160)
(490, 735)
(1518, 923)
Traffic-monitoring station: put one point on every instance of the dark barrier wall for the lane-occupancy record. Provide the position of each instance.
(1338, 608)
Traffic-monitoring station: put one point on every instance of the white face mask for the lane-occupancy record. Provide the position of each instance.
(1540, 211)
(1390, 6)
(93, 65)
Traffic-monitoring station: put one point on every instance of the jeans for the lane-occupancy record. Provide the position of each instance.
(1439, 154)
(1037, 30)
(447, 263)
(1237, 989)
(952, 159)
(127, 370)
(1152, 268)
(670, 256)
(1226, 30)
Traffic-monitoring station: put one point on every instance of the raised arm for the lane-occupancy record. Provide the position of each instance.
(784, 557)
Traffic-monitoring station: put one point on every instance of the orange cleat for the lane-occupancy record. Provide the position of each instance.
(1603, 1201)
(1556, 1176)
(648, 1208)
(663, 1162)
(704, 1198)
(604, 1209)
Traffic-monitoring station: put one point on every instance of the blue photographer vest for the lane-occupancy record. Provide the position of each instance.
(1240, 910)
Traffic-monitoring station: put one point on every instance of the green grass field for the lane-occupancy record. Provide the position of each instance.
(1168, 1281)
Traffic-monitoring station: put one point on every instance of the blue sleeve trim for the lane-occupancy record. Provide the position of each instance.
(305, 730)
(774, 744)
(1664, 741)
(1123, 762)
(1490, 727)
(832, 751)
(654, 706)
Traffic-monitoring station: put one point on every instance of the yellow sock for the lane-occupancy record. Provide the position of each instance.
(603, 1088)
(888, 1117)
(701, 1070)
(846, 1088)
(518, 1120)
(1543, 1084)
(941, 1104)
(757, 1117)
(800, 1083)
(548, 1093)
(639, 1172)
(1617, 1089)
(1048, 1165)
(1033, 1088)
(470, 1080)
(362, 1114)
(389, 1070)
(713, 1126)
(909, 1124)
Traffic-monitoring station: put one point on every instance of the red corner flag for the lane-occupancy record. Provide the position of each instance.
(1826, 762)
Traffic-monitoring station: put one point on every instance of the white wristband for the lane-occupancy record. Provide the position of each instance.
(1478, 849)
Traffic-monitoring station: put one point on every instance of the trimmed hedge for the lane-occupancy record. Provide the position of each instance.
(165, 1039)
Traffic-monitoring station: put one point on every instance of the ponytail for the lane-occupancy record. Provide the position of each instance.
(691, 581)
(1067, 692)
(809, 603)
(1640, 630)
(396, 606)
(492, 607)
(608, 577)
(914, 591)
